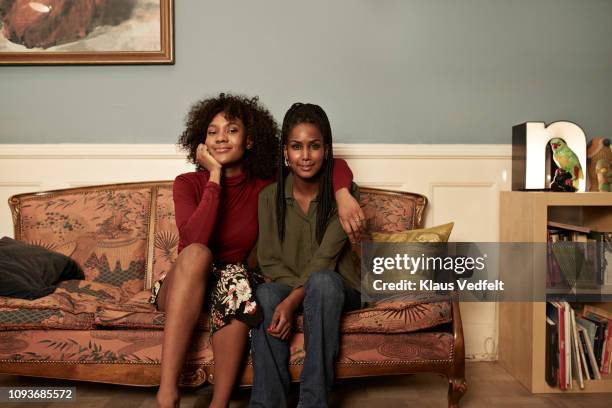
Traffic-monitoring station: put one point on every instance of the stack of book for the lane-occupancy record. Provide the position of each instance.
(578, 344)
(578, 256)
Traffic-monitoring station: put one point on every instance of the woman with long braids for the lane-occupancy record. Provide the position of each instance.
(304, 251)
(233, 141)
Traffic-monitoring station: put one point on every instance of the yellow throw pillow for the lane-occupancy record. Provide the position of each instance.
(439, 233)
(417, 244)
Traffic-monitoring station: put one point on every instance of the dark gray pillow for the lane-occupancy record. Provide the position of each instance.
(31, 271)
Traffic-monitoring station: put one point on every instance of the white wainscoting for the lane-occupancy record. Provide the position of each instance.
(462, 183)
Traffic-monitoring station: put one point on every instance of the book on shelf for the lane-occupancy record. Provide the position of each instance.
(591, 355)
(583, 355)
(578, 343)
(600, 243)
(604, 245)
(576, 360)
(603, 320)
(553, 275)
(560, 352)
(573, 264)
(606, 363)
(578, 257)
(585, 343)
(583, 337)
(568, 344)
(552, 360)
(569, 227)
(597, 330)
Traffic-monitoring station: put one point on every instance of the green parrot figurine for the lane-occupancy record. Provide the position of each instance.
(567, 160)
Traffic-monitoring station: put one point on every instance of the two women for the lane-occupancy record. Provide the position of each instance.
(233, 142)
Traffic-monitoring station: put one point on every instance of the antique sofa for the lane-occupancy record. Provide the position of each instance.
(123, 235)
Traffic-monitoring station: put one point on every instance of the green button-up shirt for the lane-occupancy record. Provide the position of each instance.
(299, 255)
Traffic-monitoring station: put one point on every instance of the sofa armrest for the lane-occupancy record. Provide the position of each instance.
(458, 336)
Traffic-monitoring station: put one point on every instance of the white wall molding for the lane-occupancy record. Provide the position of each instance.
(172, 152)
(422, 151)
(91, 151)
(462, 183)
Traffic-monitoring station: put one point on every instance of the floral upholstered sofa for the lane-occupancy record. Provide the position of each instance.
(123, 235)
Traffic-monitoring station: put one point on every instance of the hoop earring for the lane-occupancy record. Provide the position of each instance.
(286, 162)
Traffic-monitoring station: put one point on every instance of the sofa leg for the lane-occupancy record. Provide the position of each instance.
(456, 389)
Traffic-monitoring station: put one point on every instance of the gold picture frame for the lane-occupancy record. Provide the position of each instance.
(87, 32)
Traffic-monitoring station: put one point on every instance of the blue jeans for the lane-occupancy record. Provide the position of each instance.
(326, 295)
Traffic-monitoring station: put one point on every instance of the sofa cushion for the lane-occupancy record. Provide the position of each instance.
(393, 317)
(395, 349)
(71, 306)
(385, 317)
(99, 346)
(20, 318)
(439, 233)
(137, 313)
(139, 319)
(364, 349)
(144, 347)
(31, 271)
(96, 346)
(103, 228)
(109, 306)
(89, 295)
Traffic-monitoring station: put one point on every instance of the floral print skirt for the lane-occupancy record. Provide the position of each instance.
(230, 295)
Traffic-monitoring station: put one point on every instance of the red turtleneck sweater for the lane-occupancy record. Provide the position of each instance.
(224, 217)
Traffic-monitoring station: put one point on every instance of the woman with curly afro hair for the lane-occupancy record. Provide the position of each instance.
(233, 141)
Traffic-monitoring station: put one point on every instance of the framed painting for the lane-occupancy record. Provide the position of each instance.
(86, 32)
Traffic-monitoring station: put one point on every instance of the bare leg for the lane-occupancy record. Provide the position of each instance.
(181, 297)
(229, 344)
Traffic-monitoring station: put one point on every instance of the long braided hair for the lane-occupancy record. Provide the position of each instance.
(307, 113)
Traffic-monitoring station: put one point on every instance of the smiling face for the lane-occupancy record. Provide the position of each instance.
(226, 139)
(305, 150)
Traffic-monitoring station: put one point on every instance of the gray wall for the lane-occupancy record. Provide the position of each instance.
(386, 71)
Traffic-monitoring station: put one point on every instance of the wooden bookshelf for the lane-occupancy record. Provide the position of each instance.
(522, 325)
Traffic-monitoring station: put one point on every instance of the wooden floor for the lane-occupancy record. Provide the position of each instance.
(489, 386)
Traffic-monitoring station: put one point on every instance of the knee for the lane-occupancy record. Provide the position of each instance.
(267, 296)
(325, 283)
(195, 253)
(194, 260)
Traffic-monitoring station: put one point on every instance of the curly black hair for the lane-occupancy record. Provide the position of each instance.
(260, 126)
